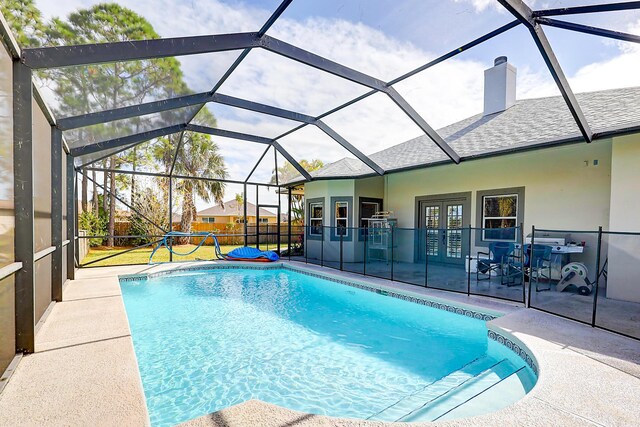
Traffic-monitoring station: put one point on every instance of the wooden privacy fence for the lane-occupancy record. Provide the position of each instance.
(236, 232)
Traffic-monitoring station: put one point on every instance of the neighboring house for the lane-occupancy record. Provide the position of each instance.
(233, 212)
(526, 154)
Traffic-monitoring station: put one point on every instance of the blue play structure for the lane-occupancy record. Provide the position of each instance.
(238, 254)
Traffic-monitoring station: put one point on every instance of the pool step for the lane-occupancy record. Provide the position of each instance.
(435, 390)
(462, 394)
(515, 386)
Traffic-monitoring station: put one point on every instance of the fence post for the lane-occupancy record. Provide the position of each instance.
(289, 223)
(306, 243)
(341, 246)
(244, 213)
(469, 264)
(392, 252)
(533, 237)
(595, 294)
(524, 294)
(426, 257)
(322, 246)
(170, 218)
(364, 258)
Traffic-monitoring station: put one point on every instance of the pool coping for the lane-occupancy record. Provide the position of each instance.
(496, 334)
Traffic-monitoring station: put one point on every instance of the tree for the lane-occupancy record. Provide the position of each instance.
(287, 172)
(84, 89)
(199, 157)
(25, 21)
(240, 201)
(151, 204)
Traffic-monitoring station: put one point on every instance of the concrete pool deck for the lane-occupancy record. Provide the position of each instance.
(84, 371)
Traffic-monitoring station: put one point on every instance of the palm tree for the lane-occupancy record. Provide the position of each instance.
(198, 157)
(288, 172)
(239, 201)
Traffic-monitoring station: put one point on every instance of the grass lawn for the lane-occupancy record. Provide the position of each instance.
(141, 256)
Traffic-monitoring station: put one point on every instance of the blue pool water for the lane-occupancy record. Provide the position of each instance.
(207, 340)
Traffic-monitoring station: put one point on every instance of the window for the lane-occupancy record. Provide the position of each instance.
(208, 219)
(499, 217)
(341, 218)
(340, 211)
(315, 218)
(367, 211)
(368, 208)
(263, 220)
(240, 221)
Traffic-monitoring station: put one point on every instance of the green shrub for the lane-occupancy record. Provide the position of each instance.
(94, 225)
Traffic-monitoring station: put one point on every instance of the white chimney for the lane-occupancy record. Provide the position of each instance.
(499, 86)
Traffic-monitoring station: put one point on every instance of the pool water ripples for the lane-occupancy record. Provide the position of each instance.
(214, 339)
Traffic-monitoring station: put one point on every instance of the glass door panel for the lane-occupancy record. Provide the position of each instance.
(453, 241)
(432, 223)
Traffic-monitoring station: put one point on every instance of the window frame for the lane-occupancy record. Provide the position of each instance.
(361, 201)
(518, 192)
(308, 218)
(336, 229)
(348, 234)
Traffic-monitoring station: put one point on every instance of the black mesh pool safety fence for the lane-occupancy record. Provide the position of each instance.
(589, 276)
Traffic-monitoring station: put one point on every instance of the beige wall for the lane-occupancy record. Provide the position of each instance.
(561, 191)
(328, 189)
(233, 218)
(368, 187)
(624, 251)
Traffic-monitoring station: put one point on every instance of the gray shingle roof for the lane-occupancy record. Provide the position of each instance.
(231, 208)
(529, 122)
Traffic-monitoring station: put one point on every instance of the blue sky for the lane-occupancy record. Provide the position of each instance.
(384, 39)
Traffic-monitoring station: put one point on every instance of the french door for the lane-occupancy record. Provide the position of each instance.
(444, 221)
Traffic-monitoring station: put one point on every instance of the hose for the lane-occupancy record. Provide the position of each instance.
(203, 234)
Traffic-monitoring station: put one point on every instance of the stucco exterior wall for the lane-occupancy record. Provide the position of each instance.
(563, 188)
(558, 183)
(624, 251)
(232, 218)
(326, 190)
(371, 188)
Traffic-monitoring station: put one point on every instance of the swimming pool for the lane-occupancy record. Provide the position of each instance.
(209, 339)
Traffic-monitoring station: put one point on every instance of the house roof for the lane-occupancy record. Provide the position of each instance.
(529, 123)
(232, 207)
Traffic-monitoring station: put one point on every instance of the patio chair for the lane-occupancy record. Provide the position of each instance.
(496, 259)
(537, 261)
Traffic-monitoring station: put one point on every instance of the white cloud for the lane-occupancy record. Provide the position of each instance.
(482, 5)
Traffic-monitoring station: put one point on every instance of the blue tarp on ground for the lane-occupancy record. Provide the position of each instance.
(252, 253)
